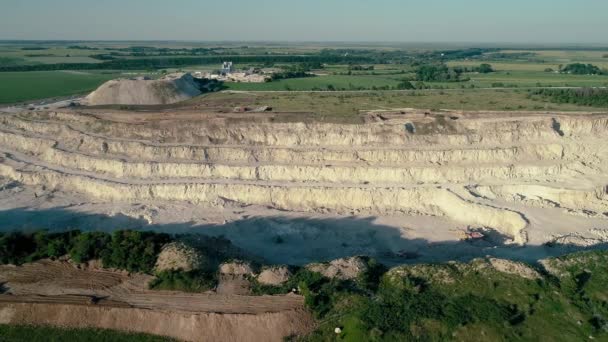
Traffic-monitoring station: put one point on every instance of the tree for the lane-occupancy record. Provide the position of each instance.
(484, 68)
(437, 73)
(582, 69)
(403, 85)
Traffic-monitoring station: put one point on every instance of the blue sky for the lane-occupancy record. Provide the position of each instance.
(518, 21)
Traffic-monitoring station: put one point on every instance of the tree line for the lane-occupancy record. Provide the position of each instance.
(161, 63)
(595, 97)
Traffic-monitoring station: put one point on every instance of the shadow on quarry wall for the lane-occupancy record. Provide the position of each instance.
(286, 240)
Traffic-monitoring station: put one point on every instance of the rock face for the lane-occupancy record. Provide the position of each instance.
(512, 173)
(345, 268)
(143, 91)
(178, 256)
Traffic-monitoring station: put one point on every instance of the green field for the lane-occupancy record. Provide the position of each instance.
(10, 333)
(26, 86)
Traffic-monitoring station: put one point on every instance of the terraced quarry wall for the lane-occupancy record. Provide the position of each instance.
(476, 169)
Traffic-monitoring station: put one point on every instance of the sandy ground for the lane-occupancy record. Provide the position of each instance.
(304, 237)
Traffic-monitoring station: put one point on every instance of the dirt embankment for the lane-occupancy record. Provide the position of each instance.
(183, 326)
(60, 293)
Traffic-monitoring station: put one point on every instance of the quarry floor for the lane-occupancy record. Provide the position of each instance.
(304, 237)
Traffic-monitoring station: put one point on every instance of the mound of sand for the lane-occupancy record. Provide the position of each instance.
(176, 256)
(236, 268)
(344, 268)
(144, 91)
(274, 275)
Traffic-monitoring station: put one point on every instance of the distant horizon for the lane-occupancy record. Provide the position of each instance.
(396, 21)
(378, 42)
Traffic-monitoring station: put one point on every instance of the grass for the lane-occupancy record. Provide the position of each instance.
(27, 86)
(534, 78)
(337, 104)
(340, 82)
(24, 333)
(471, 302)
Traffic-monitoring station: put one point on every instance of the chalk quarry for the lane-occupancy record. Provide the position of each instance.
(529, 177)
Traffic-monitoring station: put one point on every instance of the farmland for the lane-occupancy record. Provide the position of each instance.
(25, 86)
(71, 68)
(390, 192)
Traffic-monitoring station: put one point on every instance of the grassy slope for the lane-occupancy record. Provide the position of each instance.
(44, 334)
(463, 302)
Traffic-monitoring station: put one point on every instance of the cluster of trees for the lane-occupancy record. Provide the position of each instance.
(129, 250)
(463, 53)
(34, 48)
(360, 67)
(595, 97)
(582, 69)
(405, 84)
(510, 55)
(104, 57)
(297, 71)
(483, 68)
(438, 73)
(82, 47)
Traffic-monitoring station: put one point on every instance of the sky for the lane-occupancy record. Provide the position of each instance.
(489, 21)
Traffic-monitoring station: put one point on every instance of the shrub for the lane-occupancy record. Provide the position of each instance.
(193, 281)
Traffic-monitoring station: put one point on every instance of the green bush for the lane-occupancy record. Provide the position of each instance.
(193, 281)
(89, 246)
(133, 251)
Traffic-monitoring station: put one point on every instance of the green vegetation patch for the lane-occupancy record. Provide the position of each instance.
(177, 280)
(466, 302)
(133, 251)
(593, 97)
